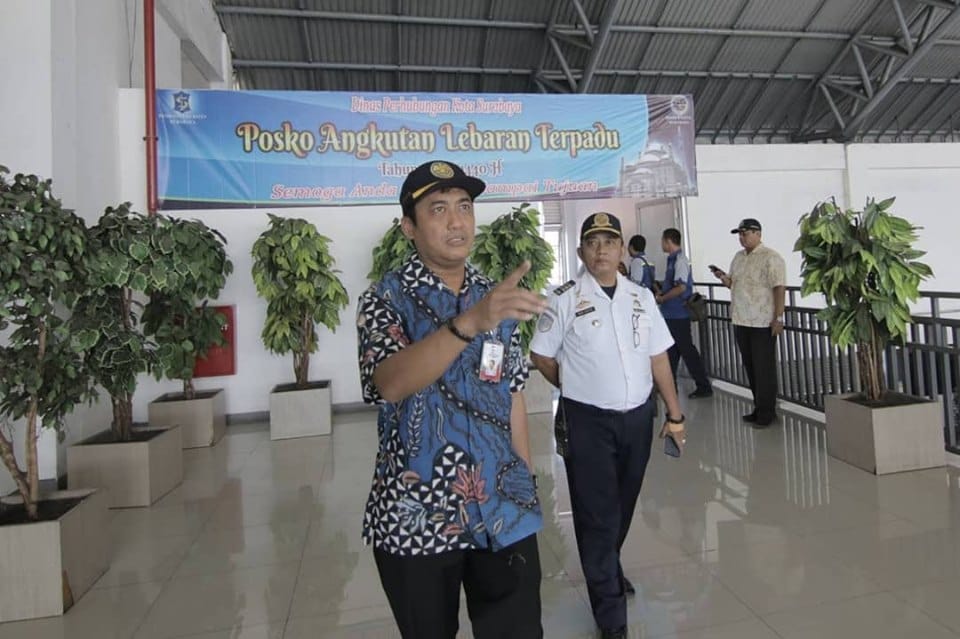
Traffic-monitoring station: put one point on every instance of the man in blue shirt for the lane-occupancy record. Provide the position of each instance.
(641, 271)
(677, 288)
(453, 499)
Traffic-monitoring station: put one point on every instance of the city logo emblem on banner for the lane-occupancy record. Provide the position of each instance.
(181, 102)
(680, 105)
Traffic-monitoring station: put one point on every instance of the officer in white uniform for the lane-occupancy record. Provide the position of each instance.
(604, 343)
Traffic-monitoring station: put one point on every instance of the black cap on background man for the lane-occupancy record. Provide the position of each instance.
(747, 224)
(437, 174)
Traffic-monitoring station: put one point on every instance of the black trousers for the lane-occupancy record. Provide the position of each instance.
(606, 463)
(681, 330)
(758, 348)
(502, 588)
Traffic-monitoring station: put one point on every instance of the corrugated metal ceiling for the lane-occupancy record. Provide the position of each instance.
(754, 67)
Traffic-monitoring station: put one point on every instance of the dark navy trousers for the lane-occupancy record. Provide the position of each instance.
(607, 459)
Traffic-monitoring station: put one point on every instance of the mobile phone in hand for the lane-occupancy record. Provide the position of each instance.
(670, 446)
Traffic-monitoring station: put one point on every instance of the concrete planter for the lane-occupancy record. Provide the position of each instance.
(203, 420)
(888, 439)
(538, 393)
(298, 412)
(134, 473)
(48, 565)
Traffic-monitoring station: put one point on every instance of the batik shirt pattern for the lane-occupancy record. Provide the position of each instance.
(446, 475)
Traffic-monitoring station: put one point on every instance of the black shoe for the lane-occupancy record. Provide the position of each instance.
(613, 633)
(628, 588)
(750, 417)
(701, 392)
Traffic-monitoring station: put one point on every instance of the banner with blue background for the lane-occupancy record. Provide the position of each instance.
(245, 149)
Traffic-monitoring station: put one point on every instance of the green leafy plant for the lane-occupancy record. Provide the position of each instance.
(293, 271)
(193, 256)
(501, 246)
(392, 251)
(125, 264)
(41, 275)
(864, 264)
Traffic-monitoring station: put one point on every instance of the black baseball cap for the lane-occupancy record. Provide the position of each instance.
(601, 222)
(430, 176)
(748, 224)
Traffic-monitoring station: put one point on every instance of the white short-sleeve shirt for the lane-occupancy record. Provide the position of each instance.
(603, 345)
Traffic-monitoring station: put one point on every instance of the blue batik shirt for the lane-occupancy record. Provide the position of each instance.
(446, 475)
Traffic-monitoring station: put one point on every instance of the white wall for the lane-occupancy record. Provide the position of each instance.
(26, 110)
(775, 184)
(925, 179)
(778, 183)
(63, 62)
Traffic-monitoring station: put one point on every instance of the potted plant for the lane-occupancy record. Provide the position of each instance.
(499, 248)
(184, 327)
(124, 263)
(865, 265)
(53, 547)
(392, 251)
(293, 271)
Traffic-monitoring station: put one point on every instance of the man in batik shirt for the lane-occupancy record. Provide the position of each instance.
(453, 499)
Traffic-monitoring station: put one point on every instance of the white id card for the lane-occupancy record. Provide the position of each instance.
(491, 361)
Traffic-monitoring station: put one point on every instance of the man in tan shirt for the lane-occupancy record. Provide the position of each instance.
(757, 282)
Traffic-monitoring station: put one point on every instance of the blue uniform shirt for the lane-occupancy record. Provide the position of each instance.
(642, 272)
(678, 272)
(446, 475)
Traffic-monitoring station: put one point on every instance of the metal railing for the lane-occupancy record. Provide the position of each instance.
(811, 366)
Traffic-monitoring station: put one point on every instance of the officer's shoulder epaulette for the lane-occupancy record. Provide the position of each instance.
(563, 288)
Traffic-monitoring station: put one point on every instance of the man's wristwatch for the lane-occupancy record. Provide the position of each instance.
(456, 332)
(676, 421)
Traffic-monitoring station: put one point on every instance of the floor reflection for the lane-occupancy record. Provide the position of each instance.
(752, 534)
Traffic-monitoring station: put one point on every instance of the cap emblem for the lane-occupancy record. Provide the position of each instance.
(441, 170)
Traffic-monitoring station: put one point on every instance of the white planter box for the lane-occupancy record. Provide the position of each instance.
(46, 566)
(134, 473)
(888, 439)
(203, 421)
(300, 413)
(538, 393)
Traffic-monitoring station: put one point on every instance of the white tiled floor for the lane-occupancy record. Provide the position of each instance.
(751, 535)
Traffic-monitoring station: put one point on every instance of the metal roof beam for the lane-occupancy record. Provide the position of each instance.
(930, 103)
(947, 23)
(643, 55)
(562, 29)
(603, 34)
(769, 81)
(547, 83)
(545, 47)
(580, 44)
(584, 20)
(563, 62)
(813, 137)
(904, 29)
(835, 81)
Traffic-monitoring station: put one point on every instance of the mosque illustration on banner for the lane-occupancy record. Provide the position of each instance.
(654, 173)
